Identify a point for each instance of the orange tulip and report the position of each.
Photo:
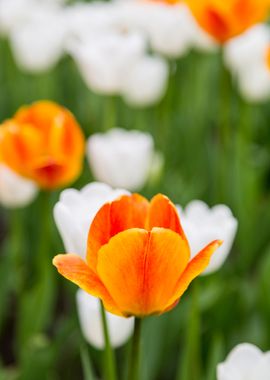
(43, 142)
(138, 258)
(224, 19)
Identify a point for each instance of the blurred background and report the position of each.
(148, 67)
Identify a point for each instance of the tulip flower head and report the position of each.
(121, 158)
(226, 19)
(43, 142)
(202, 224)
(138, 257)
(248, 57)
(245, 362)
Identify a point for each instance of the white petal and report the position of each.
(240, 363)
(121, 158)
(254, 82)
(146, 81)
(262, 371)
(245, 50)
(105, 57)
(120, 329)
(75, 211)
(38, 43)
(203, 225)
(15, 191)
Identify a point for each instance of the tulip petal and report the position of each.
(195, 267)
(129, 211)
(163, 213)
(141, 269)
(73, 268)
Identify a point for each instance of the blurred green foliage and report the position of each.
(217, 149)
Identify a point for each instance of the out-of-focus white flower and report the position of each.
(146, 81)
(84, 19)
(38, 43)
(171, 29)
(254, 84)
(120, 329)
(75, 211)
(104, 59)
(203, 224)
(200, 40)
(245, 362)
(15, 191)
(242, 51)
(166, 26)
(121, 158)
(248, 57)
(11, 13)
(14, 12)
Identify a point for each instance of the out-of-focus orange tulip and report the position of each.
(138, 258)
(43, 142)
(224, 19)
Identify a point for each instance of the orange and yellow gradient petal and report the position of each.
(43, 142)
(139, 265)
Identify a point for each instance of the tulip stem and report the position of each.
(17, 247)
(110, 113)
(109, 358)
(135, 360)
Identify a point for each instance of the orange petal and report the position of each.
(195, 267)
(163, 213)
(140, 269)
(39, 114)
(129, 211)
(77, 271)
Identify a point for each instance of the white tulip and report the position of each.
(105, 57)
(248, 57)
(166, 26)
(120, 329)
(203, 224)
(254, 82)
(242, 51)
(15, 191)
(15, 12)
(12, 12)
(38, 43)
(146, 81)
(121, 158)
(245, 362)
(75, 211)
(84, 19)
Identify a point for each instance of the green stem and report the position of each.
(17, 250)
(110, 114)
(86, 363)
(135, 362)
(224, 169)
(45, 235)
(110, 365)
(189, 367)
